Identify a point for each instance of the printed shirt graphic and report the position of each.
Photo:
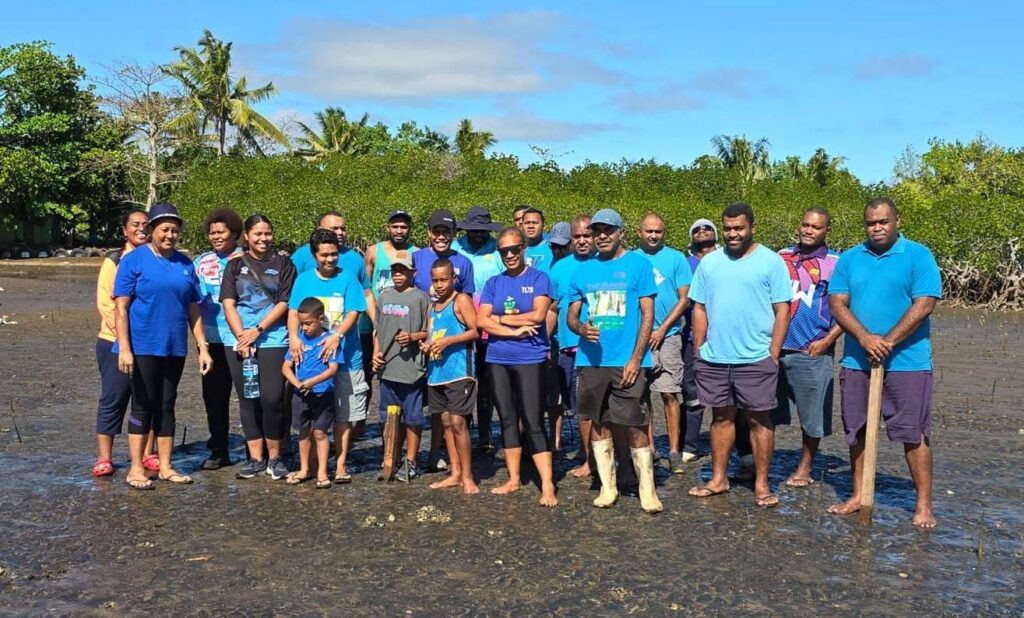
(611, 291)
(810, 318)
(256, 286)
(738, 296)
(339, 294)
(509, 295)
(407, 312)
(671, 272)
(881, 289)
(312, 365)
(561, 277)
(210, 268)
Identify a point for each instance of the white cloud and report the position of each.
(523, 126)
(900, 65)
(424, 60)
(691, 94)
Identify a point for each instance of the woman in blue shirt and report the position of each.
(255, 294)
(156, 302)
(223, 228)
(513, 310)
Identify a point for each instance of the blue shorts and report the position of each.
(409, 397)
(312, 411)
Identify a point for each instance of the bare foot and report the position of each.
(547, 496)
(767, 501)
(845, 508)
(469, 487)
(923, 518)
(510, 486)
(448, 481)
(581, 471)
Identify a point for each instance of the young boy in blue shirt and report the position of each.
(313, 398)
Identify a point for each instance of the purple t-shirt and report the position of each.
(509, 295)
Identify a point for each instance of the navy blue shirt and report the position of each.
(424, 258)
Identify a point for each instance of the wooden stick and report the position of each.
(390, 439)
(867, 482)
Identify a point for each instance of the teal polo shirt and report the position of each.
(881, 289)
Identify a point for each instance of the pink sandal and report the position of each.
(151, 462)
(103, 467)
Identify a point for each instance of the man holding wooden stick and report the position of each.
(882, 294)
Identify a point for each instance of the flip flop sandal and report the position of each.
(323, 483)
(139, 484)
(293, 478)
(343, 479)
(769, 501)
(707, 492)
(180, 479)
(103, 467)
(795, 482)
(151, 462)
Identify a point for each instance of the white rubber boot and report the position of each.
(644, 464)
(604, 457)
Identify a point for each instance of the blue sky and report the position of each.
(600, 80)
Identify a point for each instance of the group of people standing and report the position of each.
(527, 320)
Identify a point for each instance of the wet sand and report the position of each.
(76, 545)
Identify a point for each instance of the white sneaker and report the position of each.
(688, 457)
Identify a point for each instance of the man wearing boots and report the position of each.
(612, 310)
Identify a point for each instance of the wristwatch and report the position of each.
(259, 329)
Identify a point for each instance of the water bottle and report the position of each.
(250, 378)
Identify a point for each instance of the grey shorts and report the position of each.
(666, 376)
(807, 382)
(600, 398)
(906, 404)
(351, 396)
(748, 386)
(690, 398)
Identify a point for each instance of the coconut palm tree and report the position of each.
(215, 97)
(739, 153)
(822, 167)
(470, 142)
(336, 134)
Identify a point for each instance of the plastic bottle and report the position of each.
(250, 378)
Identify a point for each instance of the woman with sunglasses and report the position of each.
(513, 311)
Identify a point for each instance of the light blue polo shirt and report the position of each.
(738, 294)
(671, 272)
(881, 289)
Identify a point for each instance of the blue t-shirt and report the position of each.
(671, 272)
(881, 289)
(737, 295)
(687, 331)
(486, 262)
(539, 256)
(312, 365)
(256, 287)
(210, 267)
(349, 261)
(424, 259)
(611, 291)
(161, 290)
(340, 295)
(561, 276)
(509, 295)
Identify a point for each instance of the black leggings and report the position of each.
(217, 399)
(264, 417)
(154, 391)
(518, 392)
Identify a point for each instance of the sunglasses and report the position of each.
(513, 250)
(703, 228)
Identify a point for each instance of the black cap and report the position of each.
(163, 210)
(399, 214)
(478, 219)
(442, 216)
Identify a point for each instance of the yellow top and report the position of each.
(105, 295)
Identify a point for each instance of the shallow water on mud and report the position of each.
(73, 545)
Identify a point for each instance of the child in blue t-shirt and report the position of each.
(313, 398)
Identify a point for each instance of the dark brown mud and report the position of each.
(74, 545)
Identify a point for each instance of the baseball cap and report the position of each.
(395, 214)
(561, 234)
(403, 258)
(606, 216)
(478, 219)
(163, 210)
(442, 216)
(704, 223)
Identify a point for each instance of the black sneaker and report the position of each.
(407, 472)
(216, 462)
(251, 469)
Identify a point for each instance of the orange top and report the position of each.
(105, 295)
